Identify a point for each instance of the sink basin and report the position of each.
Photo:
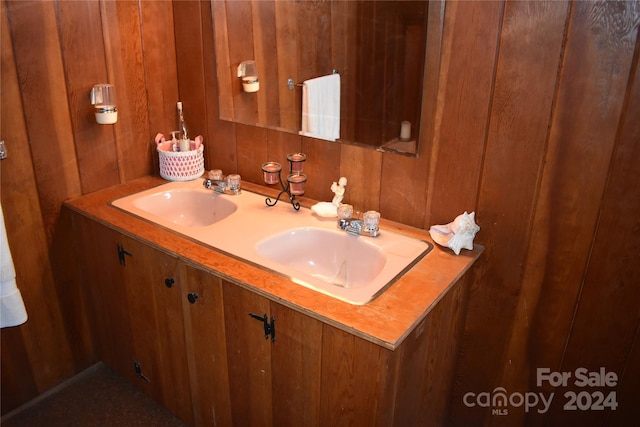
(352, 268)
(337, 258)
(184, 208)
(307, 249)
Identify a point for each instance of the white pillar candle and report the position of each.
(405, 130)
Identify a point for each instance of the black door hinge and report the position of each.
(269, 327)
(121, 255)
(138, 370)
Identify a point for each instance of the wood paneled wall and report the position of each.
(52, 54)
(532, 122)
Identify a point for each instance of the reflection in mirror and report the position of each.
(378, 47)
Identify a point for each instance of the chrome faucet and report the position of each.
(224, 185)
(361, 227)
(216, 185)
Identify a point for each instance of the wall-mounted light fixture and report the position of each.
(248, 72)
(103, 98)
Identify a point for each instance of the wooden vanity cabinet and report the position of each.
(201, 342)
(136, 297)
(314, 374)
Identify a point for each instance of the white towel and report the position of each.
(321, 107)
(12, 310)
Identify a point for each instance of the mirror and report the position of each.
(378, 47)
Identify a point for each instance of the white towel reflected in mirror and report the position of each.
(321, 107)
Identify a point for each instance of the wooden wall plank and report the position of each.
(160, 67)
(583, 132)
(220, 147)
(403, 188)
(525, 80)
(241, 48)
(123, 46)
(279, 144)
(29, 236)
(628, 389)
(16, 370)
(343, 38)
(471, 37)
(404, 193)
(223, 61)
(362, 168)
(314, 39)
(252, 155)
(39, 86)
(286, 40)
(265, 49)
(84, 64)
(322, 167)
(368, 112)
(189, 59)
(46, 111)
(609, 289)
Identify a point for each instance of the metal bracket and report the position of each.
(269, 328)
(121, 255)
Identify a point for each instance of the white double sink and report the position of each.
(307, 249)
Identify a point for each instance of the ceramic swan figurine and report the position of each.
(458, 234)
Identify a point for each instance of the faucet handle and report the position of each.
(345, 211)
(371, 221)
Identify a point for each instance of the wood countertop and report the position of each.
(385, 321)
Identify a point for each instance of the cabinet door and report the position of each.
(272, 383)
(104, 283)
(204, 330)
(154, 292)
(295, 368)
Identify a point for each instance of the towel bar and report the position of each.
(291, 83)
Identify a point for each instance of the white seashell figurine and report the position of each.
(456, 235)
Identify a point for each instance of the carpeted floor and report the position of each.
(97, 397)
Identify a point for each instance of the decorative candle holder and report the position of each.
(296, 162)
(271, 172)
(296, 180)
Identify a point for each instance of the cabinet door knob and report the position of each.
(192, 297)
(169, 282)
